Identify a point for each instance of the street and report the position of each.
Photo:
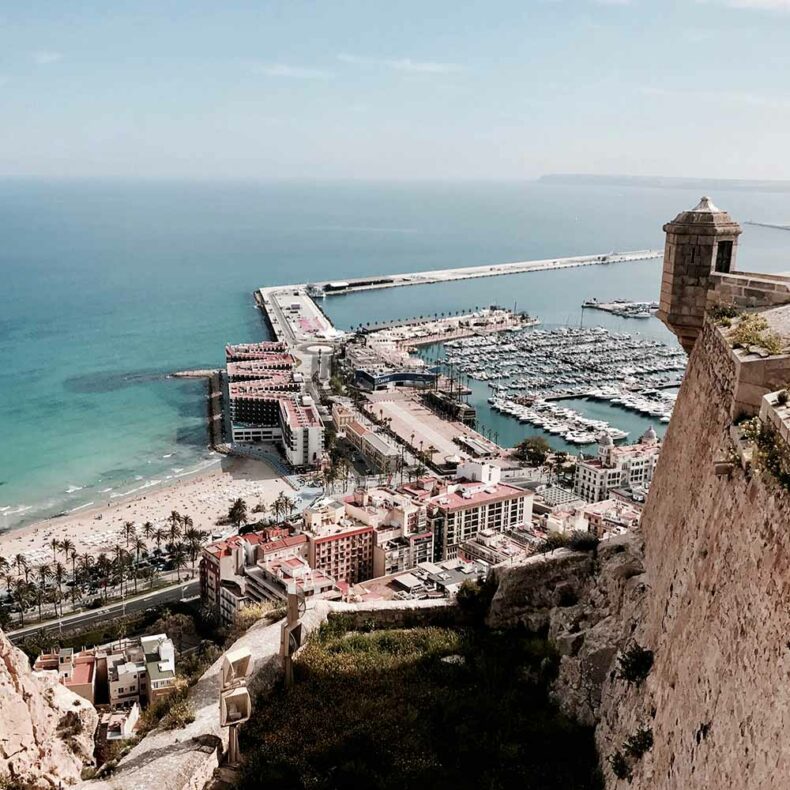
(178, 592)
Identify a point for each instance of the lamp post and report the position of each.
(234, 700)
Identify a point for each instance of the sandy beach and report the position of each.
(205, 498)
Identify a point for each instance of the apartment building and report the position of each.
(136, 670)
(628, 466)
(458, 511)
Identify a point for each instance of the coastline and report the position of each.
(205, 495)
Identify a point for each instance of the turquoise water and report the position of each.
(107, 286)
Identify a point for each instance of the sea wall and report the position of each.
(717, 557)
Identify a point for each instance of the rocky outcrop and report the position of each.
(46, 731)
(589, 607)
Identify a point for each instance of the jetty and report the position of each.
(334, 287)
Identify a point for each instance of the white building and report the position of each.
(629, 466)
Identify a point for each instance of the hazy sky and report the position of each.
(394, 88)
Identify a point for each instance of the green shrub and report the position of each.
(583, 541)
(635, 664)
(723, 312)
(554, 540)
(771, 453)
(179, 715)
(752, 330)
(639, 743)
(474, 597)
(619, 765)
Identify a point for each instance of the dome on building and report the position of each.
(649, 436)
(605, 440)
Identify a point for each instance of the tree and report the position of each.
(104, 566)
(44, 572)
(21, 565)
(119, 555)
(159, 536)
(129, 531)
(58, 574)
(55, 545)
(179, 558)
(148, 530)
(23, 595)
(237, 515)
(139, 547)
(174, 531)
(533, 450)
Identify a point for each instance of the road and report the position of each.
(178, 592)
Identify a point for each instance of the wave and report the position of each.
(81, 507)
(73, 489)
(168, 455)
(106, 490)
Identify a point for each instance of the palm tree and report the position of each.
(8, 578)
(129, 531)
(21, 565)
(159, 536)
(179, 558)
(73, 557)
(118, 562)
(86, 562)
(44, 572)
(238, 512)
(66, 546)
(55, 545)
(58, 574)
(194, 540)
(23, 596)
(138, 546)
(148, 530)
(104, 566)
(174, 532)
(5, 566)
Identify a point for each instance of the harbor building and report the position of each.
(380, 452)
(629, 466)
(246, 351)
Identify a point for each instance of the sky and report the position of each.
(412, 89)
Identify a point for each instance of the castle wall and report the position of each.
(718, 562)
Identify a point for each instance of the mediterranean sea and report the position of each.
(108, 286)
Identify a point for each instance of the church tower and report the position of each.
(699, 243)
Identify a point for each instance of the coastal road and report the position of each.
(178, 592)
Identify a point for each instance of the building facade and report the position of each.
(629, 466)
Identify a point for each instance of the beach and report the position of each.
(205, 498)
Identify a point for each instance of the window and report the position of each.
(723, 256)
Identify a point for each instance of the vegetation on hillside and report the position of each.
(424, 707)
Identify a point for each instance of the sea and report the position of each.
(108, 286)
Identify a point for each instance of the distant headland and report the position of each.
(666, 182)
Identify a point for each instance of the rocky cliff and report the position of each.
(46, 731)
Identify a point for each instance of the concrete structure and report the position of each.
(133, 670)
(699, 243)
(76, 671)
(628, 465)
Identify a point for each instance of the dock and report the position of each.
(334, 287)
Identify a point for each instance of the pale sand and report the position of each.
(205, 498)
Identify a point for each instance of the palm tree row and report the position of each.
(34, 586)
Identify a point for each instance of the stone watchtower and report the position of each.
(699, 242)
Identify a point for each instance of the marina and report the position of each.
(548, 378)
